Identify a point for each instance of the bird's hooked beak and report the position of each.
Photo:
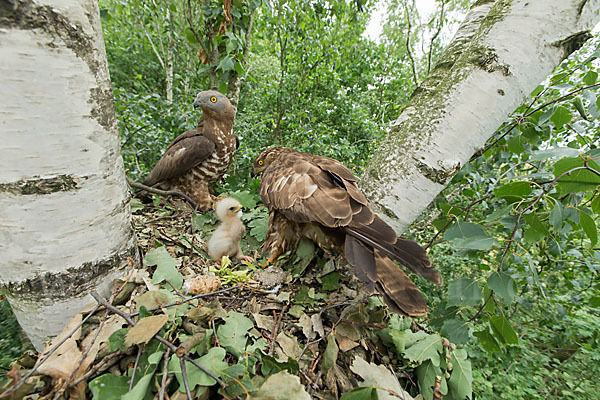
(197, 103)
(252, 174)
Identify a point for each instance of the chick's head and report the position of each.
(228, 208)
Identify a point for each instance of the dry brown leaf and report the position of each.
(264, 321)
(306, 324)
(317, 324)
(289, 345)
(151, 299)
(145, 329)
(345, 343)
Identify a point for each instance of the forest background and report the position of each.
(517, 247)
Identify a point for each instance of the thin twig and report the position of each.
(518, 120)
(135, 365)
(276, 325)
(160, 339)
(164, 193)
(163, 385)
(180, 302)
(86, 352)
(185, 379)
(437, 33)
(408, 50)
(102, 366)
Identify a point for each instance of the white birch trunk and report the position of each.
(65, 224)
(501, 52)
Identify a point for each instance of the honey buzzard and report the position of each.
(316, 197)
(198, 158)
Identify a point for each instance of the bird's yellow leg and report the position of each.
(267, 263)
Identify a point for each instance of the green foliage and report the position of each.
(530, 200)
(519, 220)
(10, 343)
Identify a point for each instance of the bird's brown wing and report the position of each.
(398, 291)
(187, 150)
(299, 188)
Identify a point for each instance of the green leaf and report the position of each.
(139, 390)
(426, 373)
(270, 365)
(199, 221)
(428, 348)
(561, 116)
(590, 78)
(468, 235)
(515, 144)
(212, 361)
(226, 64)
(595, 204)
(455, 330)
(306, 248)
(560, 152)
(109, 387)
(362, 393)
(534, 221)
(503, 285)
(189, 35)
(135, 205)
(513, 191)
(503, 330)
(487, 341)
(461, 380)
(259, 227)
(588, 225)
(165, 267)
(579, 180)
(331, 281)
(116, 341)
(330, 355)
(247, 200)
(579, 107)
(233, 334)
(557, 215)
(464, 292)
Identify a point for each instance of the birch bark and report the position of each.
(65, 223)
(500, 53)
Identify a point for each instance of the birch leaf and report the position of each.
(374, 375)
(461, 380)
(145, 329)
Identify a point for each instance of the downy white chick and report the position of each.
(225, 240)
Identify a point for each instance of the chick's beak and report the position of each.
(237, 209)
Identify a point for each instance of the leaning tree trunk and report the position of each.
(500, 53)
(65, 226)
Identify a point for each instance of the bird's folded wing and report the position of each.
(188, 150)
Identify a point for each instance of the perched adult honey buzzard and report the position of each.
(198, 158)
(316, 197)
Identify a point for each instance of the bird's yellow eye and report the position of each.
(213, 99)
(260, 162)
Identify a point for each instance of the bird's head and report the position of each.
(267, 156)
(215, 104)
(228, 208)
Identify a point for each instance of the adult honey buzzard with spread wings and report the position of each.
(316, 197)
(198, 158)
